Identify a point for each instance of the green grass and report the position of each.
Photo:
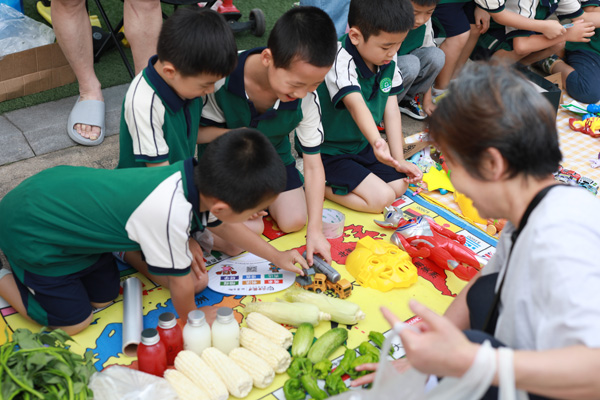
(111, 71)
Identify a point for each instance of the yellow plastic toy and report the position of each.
(437, 179)
(466, 206)
(380, 265)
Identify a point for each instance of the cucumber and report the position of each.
(327, 344)
(303, 339)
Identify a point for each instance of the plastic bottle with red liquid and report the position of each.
(171, 335)
(151, 353)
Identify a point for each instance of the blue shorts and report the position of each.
(65, 300)
(583, 84)
(294, 179)
(452, 19)
(345, 172)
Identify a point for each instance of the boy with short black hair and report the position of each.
(359, 92)
(161, 111)
(273, 90)
(420, 61)
(59, 227)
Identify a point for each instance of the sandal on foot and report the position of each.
(88, 112)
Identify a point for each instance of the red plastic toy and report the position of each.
(421, 237)
(589, 126)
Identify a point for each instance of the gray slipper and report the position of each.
(88, 112)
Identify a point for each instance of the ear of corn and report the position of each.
(261, 372)
(238, 382)
(185, 388)
(275, 332)
(289, 313)
(342, 311)
(275, 356)
(198, 371)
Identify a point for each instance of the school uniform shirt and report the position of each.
(229, 107)
(417, 38)
(350, 74)
(594, 44)
(61, 220)
(550, 296)
(532, 9)
(156, 124)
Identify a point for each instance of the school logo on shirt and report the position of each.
(386, 85)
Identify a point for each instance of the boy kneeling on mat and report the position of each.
(60, 226)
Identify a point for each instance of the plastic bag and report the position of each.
(19, 32)
(129, 384)
(411, 385)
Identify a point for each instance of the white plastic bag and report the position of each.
(19, 32)
(129, 384)
(411, 385)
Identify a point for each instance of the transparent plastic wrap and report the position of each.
(19, 32)
(129, 384)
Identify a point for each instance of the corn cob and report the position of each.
(272, 330)
(238, 382)
(289, 313)
(275, 356)
(185, 388)
(342, 311)
(261, 372)
(198, 371)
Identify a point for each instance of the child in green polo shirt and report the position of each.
(161, 110)
(273, 90)
(419, 61)
(362, 171)
(60, 226)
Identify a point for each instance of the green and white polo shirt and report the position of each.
(156, 124)
(417, 38)
(61, 220)
(229, 107)
(350, 74)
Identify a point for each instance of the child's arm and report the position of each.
(207, 134)
(580, 32)
(551, 29)
(241, 236)
(592, 16)
(363, 118)
(315, 192)
(428, 105)
(393, 130)
(183, 287)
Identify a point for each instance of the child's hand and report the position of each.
(482, 20)
(288, 259)
(382, 153)
(581, 31)
(316, 243)
(413, 172)
(552, 29)
(401, 365)
(428, 105)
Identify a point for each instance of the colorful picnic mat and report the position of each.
(104, 336)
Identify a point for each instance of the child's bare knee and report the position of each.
(201, 283)
(382, 199)
(292, 223)
(74, 329)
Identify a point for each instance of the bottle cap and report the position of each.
(150, 336)
(167, 320)
(224, 314)
(196, 318)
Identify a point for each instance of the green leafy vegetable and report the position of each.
(40, 366)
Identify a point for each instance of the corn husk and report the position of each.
(289, 313)
(341, 311)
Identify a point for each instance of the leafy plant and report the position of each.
(41, 366)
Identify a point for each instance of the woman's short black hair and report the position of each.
(493, 105)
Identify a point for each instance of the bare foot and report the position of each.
(90, 132)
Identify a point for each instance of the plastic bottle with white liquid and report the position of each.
(225, 331)
(196, 332)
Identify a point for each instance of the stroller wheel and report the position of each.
(259, 23)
